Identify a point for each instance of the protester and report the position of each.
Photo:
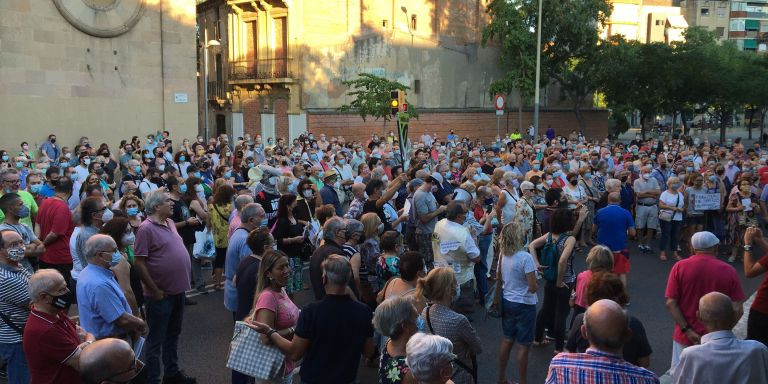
(613, 224)
(109, 361)
(606, 328)
(251, 217)
(396, 319)
(14, 303)
(721, 356)
(430, 358)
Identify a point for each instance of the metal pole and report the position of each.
(205, 82)
(498, 121)
(538, 76)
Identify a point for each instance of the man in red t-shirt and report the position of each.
(692, 278)
(52, 342)
(758, 313)
(56, 227)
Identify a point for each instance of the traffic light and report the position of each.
(394, 102)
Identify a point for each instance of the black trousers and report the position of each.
(553, 313)
(757, 326)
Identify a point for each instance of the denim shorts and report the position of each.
(518, 322)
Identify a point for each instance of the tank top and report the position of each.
(508, 210)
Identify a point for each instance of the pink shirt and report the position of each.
(694, 277)
(234, 224)
(582, 280)
(286, 312)
(166, 256)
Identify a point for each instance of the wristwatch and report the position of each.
(747, 247)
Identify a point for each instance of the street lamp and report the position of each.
(538, 76)
(407, 22)
(210, 43)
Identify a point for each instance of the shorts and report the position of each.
(647, 217)
(621, 262)
(221, 257)
(518, 321)
(694, 220)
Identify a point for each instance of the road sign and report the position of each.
(499, 102)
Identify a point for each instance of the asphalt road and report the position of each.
(208, 328)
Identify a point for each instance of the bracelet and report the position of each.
(270, 332)
(747, 247)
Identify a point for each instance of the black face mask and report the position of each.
(575, 181)
(53, 141)
(720, 172)
(62, 301)
(624, 179)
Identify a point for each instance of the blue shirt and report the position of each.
(46, 191)
(612, 223)
(330, 197)
(100, 301)
(237, 250)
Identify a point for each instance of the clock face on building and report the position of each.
(102, 18)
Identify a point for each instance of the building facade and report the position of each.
(284, 62)
(646, 21)
(713, 15)
(748, 26)
(105, 69)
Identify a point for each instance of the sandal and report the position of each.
(542, 343)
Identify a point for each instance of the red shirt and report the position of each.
(54, 216)
(763, 172)
(694, 277)
(49, 341)
(761, 299)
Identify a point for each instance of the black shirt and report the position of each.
(284, 230)
(337, 328)
(370, 206)
(316, 266)
(269, 202)
(181, 213)
(246, 277)
(634, 349)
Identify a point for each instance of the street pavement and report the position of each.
(207, 328)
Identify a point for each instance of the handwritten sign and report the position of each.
(706, 201)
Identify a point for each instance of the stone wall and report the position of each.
(56, 79)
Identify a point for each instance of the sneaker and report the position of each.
(179, 378)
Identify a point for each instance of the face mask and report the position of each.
(199, 188)
(674, 186)
(264, 222)
(182, 158)
(380, 228)
(183, 188)
(5, 158)
(107, 216)
(62, 301)
(574, 182)
(116, 256)
(23, 211)
(227, 174)
(74, 176)
(87, 161)
(35, 188)
(646, 176)
(161, 167)
(455, 165)
(342, 161)
(689, 169)
(307, 193)
(588, 175)
(19, 164)
(16, 254)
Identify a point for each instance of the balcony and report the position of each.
(261, 71)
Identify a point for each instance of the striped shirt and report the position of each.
(595, 367)
(14, 301)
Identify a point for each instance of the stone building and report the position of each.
(276, 67)
(105, 69)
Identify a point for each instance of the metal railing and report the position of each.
(262, 69)
(215, 90)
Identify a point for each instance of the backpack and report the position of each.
(549, 257)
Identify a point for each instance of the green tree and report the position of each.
(372, 97)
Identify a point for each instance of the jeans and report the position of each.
(13, 354)
(670, 235)
(481, 267)
(164, 318)
(553, 313)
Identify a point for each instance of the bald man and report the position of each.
(612, 224)
(356, 206)
(606, 328)
(721, 357)
(108, 361)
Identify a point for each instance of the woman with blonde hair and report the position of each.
(370, 250)
(599, 259)
(440, 288)
(516, 287)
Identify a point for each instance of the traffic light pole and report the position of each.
(538, 77)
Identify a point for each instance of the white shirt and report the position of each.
(82, 172)
(76, 266)
(146, 187)
(513, 271)
(671, 200)
(723, 358)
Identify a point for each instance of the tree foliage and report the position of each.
(372, 96)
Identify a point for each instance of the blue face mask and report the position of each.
(137, 169)
(264, 222)
(196, 174)
(115, 259)
(182, 158)
(23, 211)
(420, 324)
(251, 165)
(183, 188)
(227, 174)
(455, 165)
(536, 167)
(447, 175)
(5, 158)
(132, 211)
(35, 188)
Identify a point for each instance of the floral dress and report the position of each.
(524, 217)
(387, 267)
(392, 370)
(739, 221)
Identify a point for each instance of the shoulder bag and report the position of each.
(250, 356)
(666, 214)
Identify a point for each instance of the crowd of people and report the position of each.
(401, 250)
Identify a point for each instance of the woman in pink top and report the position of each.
(273, 306)
(599, 259)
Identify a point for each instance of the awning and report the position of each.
(750, 44)
(676, 21)
(752, 25)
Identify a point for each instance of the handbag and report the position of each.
(203, 248)
(667, 215)
(249, 356)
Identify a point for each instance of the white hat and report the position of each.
(438, 177)
(704, 240)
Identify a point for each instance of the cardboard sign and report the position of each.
(706, 201)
